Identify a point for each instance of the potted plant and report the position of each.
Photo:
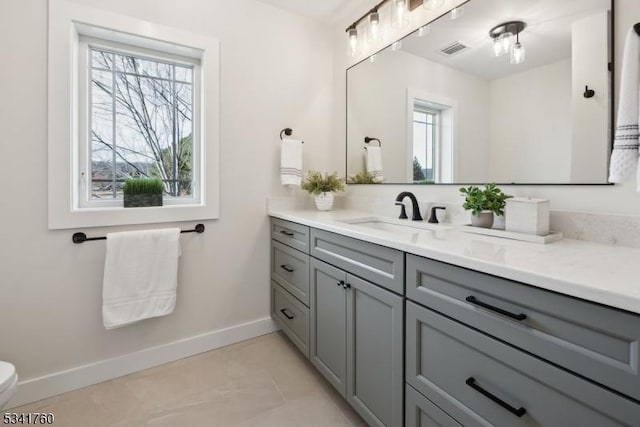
(322, 187)
(484, 203)
(142, 192)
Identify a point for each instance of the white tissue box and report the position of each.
(529, 216)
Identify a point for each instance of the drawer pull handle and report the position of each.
(347, 285)
(285, 267)
(519, 317)
(341, 283)
(287, 233)
(287, 315)
(471, 382)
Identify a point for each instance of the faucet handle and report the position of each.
(433, 218)
(403, 211)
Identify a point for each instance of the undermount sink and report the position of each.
(395, 226)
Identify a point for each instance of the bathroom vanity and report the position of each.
(435, 327)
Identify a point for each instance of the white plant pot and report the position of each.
(324, 201)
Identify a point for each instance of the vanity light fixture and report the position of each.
(503, 36)
(353, 41)
(433, 4)
(400, 18)
(374, 26)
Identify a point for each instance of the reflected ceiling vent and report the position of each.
(453, 49)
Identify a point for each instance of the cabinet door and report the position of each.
(374, 353)
(328, 323)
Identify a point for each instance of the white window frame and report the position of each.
(69, 24)
(84, 152)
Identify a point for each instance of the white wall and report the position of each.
(378, 99)
(590, 142)
(276, 72)
(530, 122)
(619, 199)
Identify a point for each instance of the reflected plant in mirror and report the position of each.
(460, 103)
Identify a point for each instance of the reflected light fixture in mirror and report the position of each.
(423, 31)
(517, 52)
(396, 46)
(457, 12)
(503, 40)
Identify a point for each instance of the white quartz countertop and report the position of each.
(605, 274)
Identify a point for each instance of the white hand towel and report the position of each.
(374, 163)
(291, 162)
(626, 147)
(140, 276)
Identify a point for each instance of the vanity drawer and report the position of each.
(378, 264)
(485, 382)
(290, 268)
(421, 412)
(292, 316)
(597, 342)
(291, 234)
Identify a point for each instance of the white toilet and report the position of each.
(8, 383)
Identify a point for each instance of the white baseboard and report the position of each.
(72, 379)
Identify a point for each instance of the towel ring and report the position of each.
(368, 139)
(287, 132)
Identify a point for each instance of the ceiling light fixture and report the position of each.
(503, 36)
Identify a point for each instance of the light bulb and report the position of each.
(353, 42)
(517, 54)
(400, 17)
(498, 49)
(457, 12)
(433, 4)
(396, 46)
(374, 27)
(506, 39)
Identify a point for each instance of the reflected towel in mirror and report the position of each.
(626, 146)
(374, 163)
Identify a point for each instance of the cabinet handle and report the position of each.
(287, 268)
(287, 233)
(347, 285)
(341, 283)
(287, 315)
(519, 317)
(471, 382)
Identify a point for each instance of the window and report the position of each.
(141, 113)
(425, 137)
(129, 98)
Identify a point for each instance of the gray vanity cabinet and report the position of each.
(356, 342)
(329, 323)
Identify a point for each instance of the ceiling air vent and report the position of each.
(453, 48)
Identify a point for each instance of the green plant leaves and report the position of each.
(133, 186)
(490, 199)
(317, 183)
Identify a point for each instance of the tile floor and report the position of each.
(260, 382)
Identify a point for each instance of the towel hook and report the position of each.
(589, 93)
(287, 132)
(368, 139)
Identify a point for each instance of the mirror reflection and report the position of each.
(512, 91)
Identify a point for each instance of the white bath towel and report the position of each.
(374, 163)
(291, 162)
(140, 276)
(626, 147)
